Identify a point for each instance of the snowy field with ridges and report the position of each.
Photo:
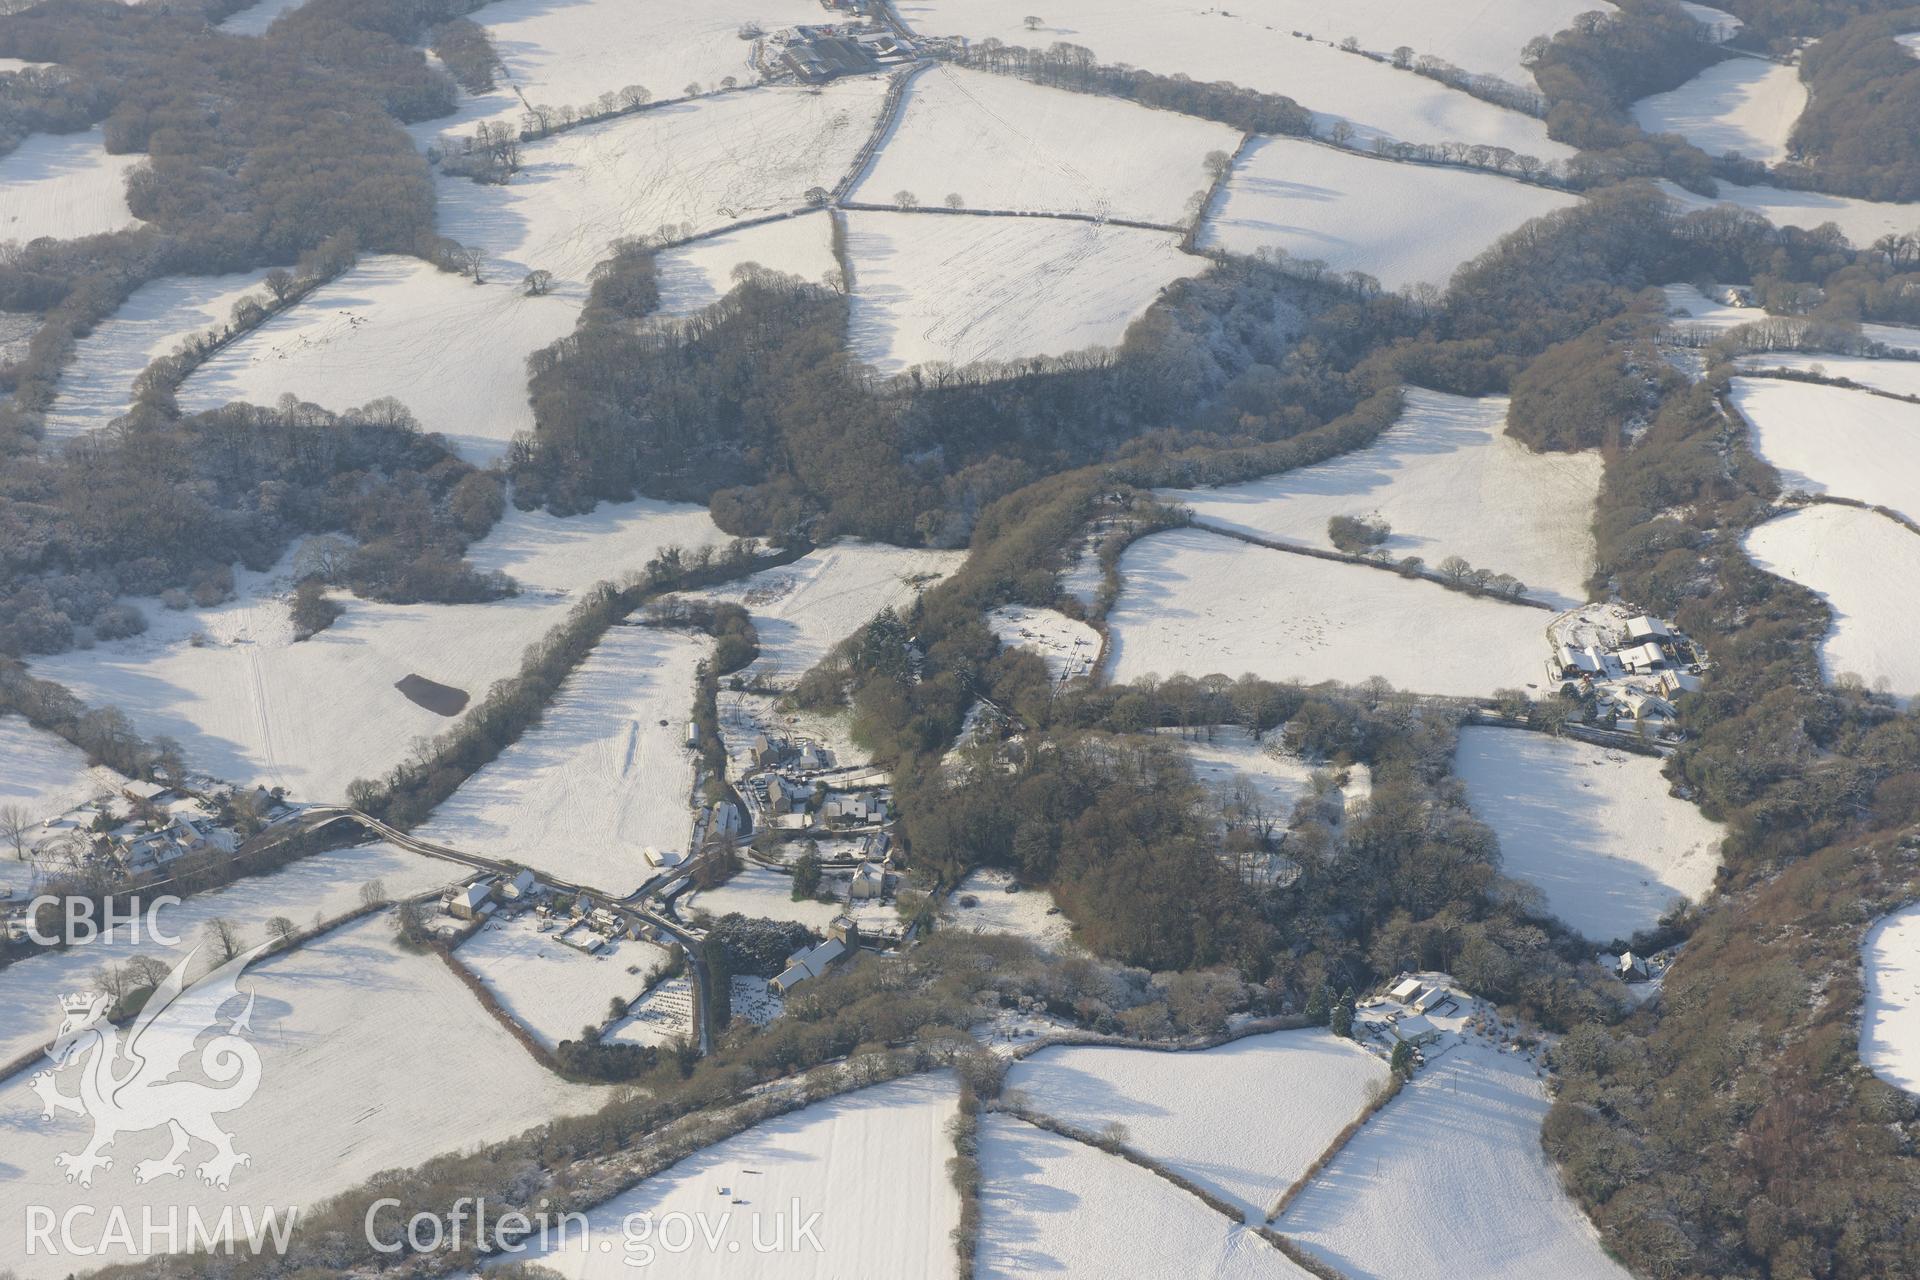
(96, 386)
(1861, 221)
(1899, 377)
(566, 53)
(1593, 828)
(870, 1164)
(1849, 557)
(64, 185)
(699, 274)
(567, 554)
(803, 609)
(249, 704)
(1449, 1180)
(1198, 603)
(603, 776)
(1890, 1020)
(452, 351)
(957, 289)
(344, 1027)
(45, 775)
(1053, 1206)
(690, 167)
(1449, 481)
(1748, 105)
(1256, 49)
(1399, 223)
(551, 988)
(1831, 440)
(1243, 1120)
(1003, 143)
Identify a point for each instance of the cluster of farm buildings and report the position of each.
(1631, 663)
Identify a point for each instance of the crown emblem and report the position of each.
(77, 1002)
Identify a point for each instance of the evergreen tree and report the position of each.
(1340, 1018)
(1402, 1063)
(1317, 1006)
(806, 875)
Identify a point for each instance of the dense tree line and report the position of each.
(1863, 112)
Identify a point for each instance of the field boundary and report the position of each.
(1097, 219)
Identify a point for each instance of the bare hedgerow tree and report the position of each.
(954, 200)
(373, 893)
(635, 96)
(282, 931)
(538, 283)
(905, 199)
(14, 825)
(224, 936)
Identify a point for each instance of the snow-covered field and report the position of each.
(1449, 481)
(1230, 754)
(256, 18)
(1199, 603)
(871, 1165)
(603, 776)
(1890, 1022)
(1003, 143)
(550, 987)
(762, 894)
(803, 609)
(345, 1029)
(700, 273)
(566, 554)
(1255, 48)
(1053, 1206)
(1850, 557)
(1068, 646)
(959, 289)
(1900, 377)
(1593, 828)
(1721, 26)
(690, 167)
(1023, 914)
(1748, 105)
(568, 54)
(97, 385)
(321, 887)
(64, 185)
(1399, 223)
(1448, 1181)
(1243, 1120)
(44, 774)
(249, 704)
(1861, 221)
(1831, 440)
(452, 351)
(664, 1013)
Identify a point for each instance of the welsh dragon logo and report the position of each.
(127, 1086)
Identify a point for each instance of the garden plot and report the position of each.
(1243, 1120)
(1029, 913)
(1068, 646)
(1458, 1153)
(452, 351)
(1002, 143)
(1257, 50)
(1829, 440)
(1898, 377)
(699, 274)
(1890, 1021)
(1748, 105)
(1861, 221)
(1402, 224)
(604, 776)
(567, 54)
(65, 186)
(371, 1058)
(662, 1014)
(1594, 829)
(249, 704)
(803, 609)
(567, 554)
(679, 169)
(1849, 557)
(308, 891)
(871, 1165)
(951, 289)
(1449, 481)
(1053, 1206)
(97, 384)
(761, 893)
(45, 775)
(550, 987)
(1198, 603)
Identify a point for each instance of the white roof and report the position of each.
(1406, 990)
(1646, 625)
(145, 790)
(1413, 1026)
(475, 894)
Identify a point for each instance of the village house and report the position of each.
(810, 962)
(473, 901)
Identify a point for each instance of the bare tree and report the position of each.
(1219, 164)
(538, 283)
(146, 972)
(1033, 22)
(473, 262)
(905, 199)
(280, 283)
(635, 96)
(373, 893)
(282, 931)
(224, 935)
(1455, 570)
(14, 825)
(954, 200)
